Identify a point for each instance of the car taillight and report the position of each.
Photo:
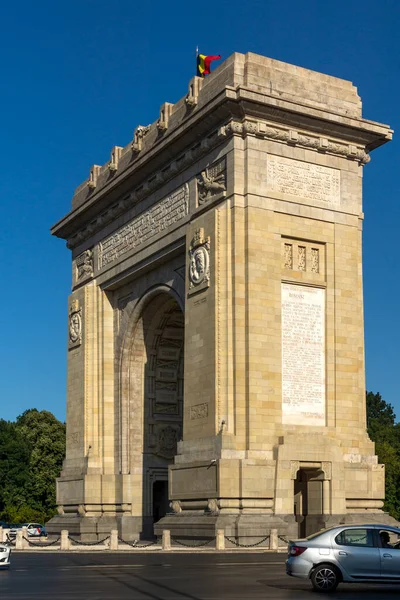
(297, 550)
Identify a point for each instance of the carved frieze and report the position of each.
(75, 325)
(145, 226)
(84, 266)
(293, 137)
(211, 183)
(199, 262)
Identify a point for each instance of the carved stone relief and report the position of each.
(75, 325)
(199, 261)
(199, 411)
(301, 260)
(211, 183)
(314, 260)
(145, 226)
(288, 256)
(327, 469)
(307, 257)
(167, 441)
(84, 265)
(176, 506)
(212, 506)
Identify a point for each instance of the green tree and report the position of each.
(45, 436)
(383, 430)
(14, 469)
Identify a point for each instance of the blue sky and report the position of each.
(78, 77)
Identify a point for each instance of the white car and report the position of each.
(5, 554)
(33, 530)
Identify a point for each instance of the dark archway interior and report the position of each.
(163, 322)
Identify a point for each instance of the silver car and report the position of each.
(352, 554)
(5, 553)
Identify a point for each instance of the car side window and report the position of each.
(355, 537)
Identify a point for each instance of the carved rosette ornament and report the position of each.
(75, 325)
(199, 262)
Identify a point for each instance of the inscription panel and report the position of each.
(303, 180)
(303, 355)
(145, 226)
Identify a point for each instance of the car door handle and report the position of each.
(342, 553)
(387, 555)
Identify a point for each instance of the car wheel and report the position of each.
(325, 578)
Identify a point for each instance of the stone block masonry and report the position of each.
(216, 337)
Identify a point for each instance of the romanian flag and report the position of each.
(203, 64)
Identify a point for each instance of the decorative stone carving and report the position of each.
(139, 134)
(84, 265)
(92, 181)
(288, 257)
(291, 136)
(301, 259)
(75, 325)
(211, 182)
(167, 442)
(314, 260)
(199, 411)
(145, 226)
(115, 156)
(176, 506)
(199, 261)
(327, 469)
(73, 437)
(212, 506)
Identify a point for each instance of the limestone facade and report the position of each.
(216, 339)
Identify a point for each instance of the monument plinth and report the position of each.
(216, 342)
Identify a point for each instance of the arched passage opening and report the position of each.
(153, 416)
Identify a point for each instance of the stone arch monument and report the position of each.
(216, 345)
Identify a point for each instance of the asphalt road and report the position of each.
(156, 576)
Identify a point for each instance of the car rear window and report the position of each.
(355, 537)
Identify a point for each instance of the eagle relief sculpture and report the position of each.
(211, 182)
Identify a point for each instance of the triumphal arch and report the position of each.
(215, 341)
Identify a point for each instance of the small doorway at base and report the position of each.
(308, 500)
(160, 500)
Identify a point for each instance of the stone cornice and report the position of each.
(244, 128)
(296, 138)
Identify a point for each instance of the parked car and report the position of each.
(350, 554)
(33, 530)
(5, 554)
